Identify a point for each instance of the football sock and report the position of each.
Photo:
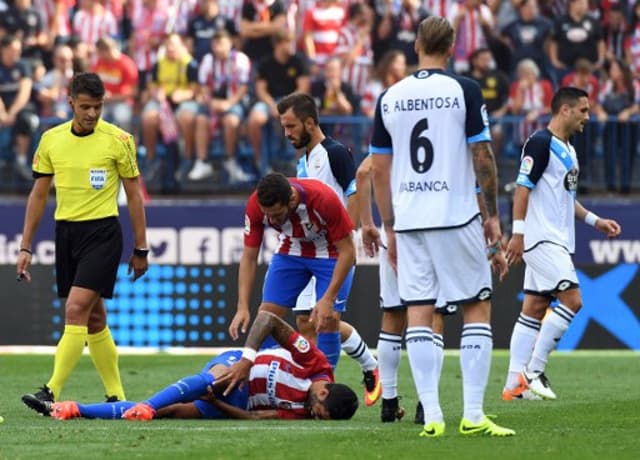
(67, 355)
(389, 353)
(419, 340)
(551, 332)
(184, 390)
(329, 344)
(523, 338)
(476, 345)
(106, 411)
(438, 343)
(104, 355)
(355, 347)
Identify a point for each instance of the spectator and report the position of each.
(576, 35)
(391, 69)
(25, 22)
(149, 21)
(438, 7)
(80, 54)
(120, 76)
(261, 20)
(333, 95)
(495, 90)
(224, 83)
(51, 91)
(397, 30)
(473, 21)
(203, 26)
(618, 101)
(634, 45)
(170, 92)
(617, 38)
(354, 47)
(529, 97)
(57, 23)
(584, 142)
(321, 29)
(528, 36)
(93, 21)
(16, 111)
(282, 73)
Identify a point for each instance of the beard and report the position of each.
(305, 139)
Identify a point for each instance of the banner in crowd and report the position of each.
(188, 297)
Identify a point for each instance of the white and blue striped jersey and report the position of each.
(426, 121)
(332, 163)
(549, 168)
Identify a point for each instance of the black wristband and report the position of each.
(140, 252)
(28, 251)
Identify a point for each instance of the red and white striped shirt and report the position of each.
(281, 377)
(324, 24)
(469, 35)
(357, 73)
(89, 26)
(311, 229)
(438, 7)
(149, 24)
(231, 9)
(225, 76)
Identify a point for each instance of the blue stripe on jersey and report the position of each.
(484, 136)
(561, 152)
(301, 168)
(351, 189)
(523, 179)
(380, 150)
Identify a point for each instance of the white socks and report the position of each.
(389, 353)
(523, 338)
(438, 343)
(422, 358)
(551, 332)
(355, 347)
(476, 345)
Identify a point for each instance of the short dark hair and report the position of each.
(87, 83)
(341, 401)
(566, 95)
(302, 104)
(8, 40)
(354, 10)
(274, 188)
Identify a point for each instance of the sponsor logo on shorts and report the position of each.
(526, 165)
(301, 344)
(484, 294)
(98, 178)
(564, 285)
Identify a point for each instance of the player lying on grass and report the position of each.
(292, 382)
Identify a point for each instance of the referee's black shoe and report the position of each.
(41, 401)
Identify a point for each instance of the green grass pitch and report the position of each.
(597, 416)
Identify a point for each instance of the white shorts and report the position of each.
(448, 265)
(549, 269)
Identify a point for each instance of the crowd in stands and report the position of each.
(200, 79)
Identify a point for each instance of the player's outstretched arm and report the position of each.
(609, 227)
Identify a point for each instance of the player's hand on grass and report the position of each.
(371, 241)
(240, 322)
(515, 249)
(236, 376)
(609, 227)
(322, 314)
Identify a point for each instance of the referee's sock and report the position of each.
(105, 411)
(329, 344)
(67, 355)
(186, 389)
(104, 355)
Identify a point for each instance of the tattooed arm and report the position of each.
(484, 165)
(268, 324)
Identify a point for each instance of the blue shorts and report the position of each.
(287, 277)
(237, 398)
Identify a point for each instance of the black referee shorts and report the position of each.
(87, 255)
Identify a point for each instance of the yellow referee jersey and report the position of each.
(87, 169)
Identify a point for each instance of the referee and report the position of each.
(88, 157)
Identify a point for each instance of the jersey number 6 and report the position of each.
(421, 148)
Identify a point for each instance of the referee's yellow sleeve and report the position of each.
(127, 162)
(41, 160)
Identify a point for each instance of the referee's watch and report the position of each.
(143, 252)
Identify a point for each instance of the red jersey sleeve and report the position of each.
(307, 355)
(253, 223)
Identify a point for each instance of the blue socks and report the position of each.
(106, 411)
(329, 344)
(184, 390)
